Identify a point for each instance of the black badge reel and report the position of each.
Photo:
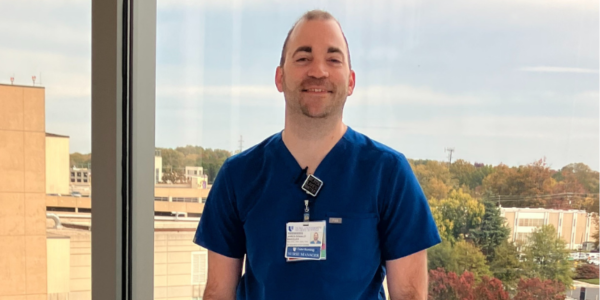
(312, 185)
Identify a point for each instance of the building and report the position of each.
(80, 181)
(57, 164)
(157, 166)
(23, 256)
(573, 226)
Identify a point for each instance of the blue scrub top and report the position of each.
(370, 186)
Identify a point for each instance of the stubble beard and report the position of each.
(295, 102)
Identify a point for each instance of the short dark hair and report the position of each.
(309, 16)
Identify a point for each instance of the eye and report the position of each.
(334, 60)
(301, 59)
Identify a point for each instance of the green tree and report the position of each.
(441, 256)
(468, 257)
(78, 160)
(461, 257)
(469, 175)
(547, 257)
(172, 160)
(506, 265)
(492, 232)
(459, 213)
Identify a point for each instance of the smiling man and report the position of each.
(316, 177)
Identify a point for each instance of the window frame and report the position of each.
(123, 110)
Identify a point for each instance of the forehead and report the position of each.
(317, 34)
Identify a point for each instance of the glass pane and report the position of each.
(45, 134)
(494, 103)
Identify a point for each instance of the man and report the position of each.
(315, 239)
(377, 219)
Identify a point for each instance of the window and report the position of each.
(199, 267)
(523, 237)
(531, 222)
(161, 199)
(185, 199)
(474, 94)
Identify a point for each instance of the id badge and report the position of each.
(305, 241)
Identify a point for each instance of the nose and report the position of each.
(318, 69)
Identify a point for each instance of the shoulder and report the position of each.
(371, 151)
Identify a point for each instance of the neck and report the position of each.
(309, 140)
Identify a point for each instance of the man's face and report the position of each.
(316, 78)
(316, 236)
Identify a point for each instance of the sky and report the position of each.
(500, 81)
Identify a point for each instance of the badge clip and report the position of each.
(306, 211)
(312, 185)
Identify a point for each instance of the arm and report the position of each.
(223, 277)
(407, 277)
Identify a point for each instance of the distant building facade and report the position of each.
(575, 227)
(23, 257)
(57, 164)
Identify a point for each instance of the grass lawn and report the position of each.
(591, 281)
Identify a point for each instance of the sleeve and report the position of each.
(406, 224)
(220, 229)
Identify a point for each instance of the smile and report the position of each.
(316, 91)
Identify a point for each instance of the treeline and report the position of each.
(575, 186)
(175, 160)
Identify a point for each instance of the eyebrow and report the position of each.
(309, 50)
(303, 49)
(334, 50)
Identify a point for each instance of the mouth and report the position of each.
(316, 91)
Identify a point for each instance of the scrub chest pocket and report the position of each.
(353, 242)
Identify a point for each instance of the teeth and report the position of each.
(316, 90)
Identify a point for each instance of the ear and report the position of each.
(351, 83)
(279, 79)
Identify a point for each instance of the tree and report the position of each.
(449, 286)
(459, 213)
(547, 257)
(506, 265)
(468, 257)
(441, 256)
(466, 174)
(492, 232)
(211, 160)
(462, 171)
(536, 289)
(434, 178)
(490, 289)
(78, 160)
(584, 175)
(532, 180)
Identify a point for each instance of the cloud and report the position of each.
(548, 69)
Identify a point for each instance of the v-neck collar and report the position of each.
(284, 153)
